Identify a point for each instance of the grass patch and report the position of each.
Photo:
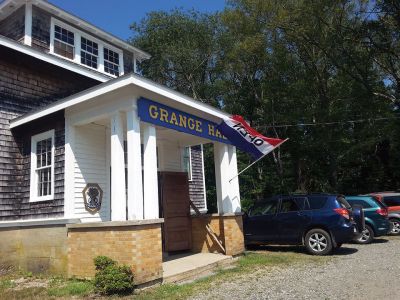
(248, 263)
(73, 287)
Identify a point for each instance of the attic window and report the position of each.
(89, 53)
(63, 42)
(111, 62)
(81, 48)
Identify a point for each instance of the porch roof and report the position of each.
(113, 85)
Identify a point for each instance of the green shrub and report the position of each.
(111, 278)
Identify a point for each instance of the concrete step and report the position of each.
(194, 266)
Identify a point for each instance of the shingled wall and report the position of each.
(25, 85)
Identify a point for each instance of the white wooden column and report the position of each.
(69, 170)
(135, 184)
(150, 177)
(118, 193)
(234, 191)
(221, 161)
(28, 24)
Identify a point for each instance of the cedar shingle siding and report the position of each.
(13, 27)
(25, 85)
(196, 185)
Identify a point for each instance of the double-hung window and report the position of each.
(111, 62)
(42, 167)
(84, 49)
(89, 53)
(64, 42)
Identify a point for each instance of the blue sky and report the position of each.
(116, 16)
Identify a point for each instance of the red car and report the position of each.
(392, 201)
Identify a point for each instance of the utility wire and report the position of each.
(329, 123)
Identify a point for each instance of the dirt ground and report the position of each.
(354, 272)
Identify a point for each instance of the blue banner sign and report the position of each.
(165, 116)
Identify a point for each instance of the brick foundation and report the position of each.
(228, 228)
(133, 243)
(34, 247)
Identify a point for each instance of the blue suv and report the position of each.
(319, 222)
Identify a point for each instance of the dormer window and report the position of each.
(64, 42)
(73, 44)
(111, 62)
(89, 53)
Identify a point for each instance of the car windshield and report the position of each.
(264, 208)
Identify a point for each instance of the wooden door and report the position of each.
(177, 229)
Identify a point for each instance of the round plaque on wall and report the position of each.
(92, 197)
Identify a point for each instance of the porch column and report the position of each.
(150, 176)
(221, 161)
(234, 190)
(135, 187)
(118, 193)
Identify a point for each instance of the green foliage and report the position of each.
(73, 287)
(319, 73)
(111, 278)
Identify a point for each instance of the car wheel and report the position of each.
(366, 236)
(318, 242)
(395, 224)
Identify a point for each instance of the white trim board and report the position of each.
(112, 85)
(52, 59)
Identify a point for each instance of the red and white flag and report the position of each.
(247, 139)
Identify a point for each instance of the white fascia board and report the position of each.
(52, 59)
(178, 97)
(114, 85)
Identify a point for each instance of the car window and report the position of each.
(301, 202)
(316, 202)
(264, 208)
(289, 205)
(392, 200)
(363, 203)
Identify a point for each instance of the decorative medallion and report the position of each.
(92, 196)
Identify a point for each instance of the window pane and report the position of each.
(392, 200)
(63, 49)
(264, 208)
(289, 205)
(89, 52)
(111, 62)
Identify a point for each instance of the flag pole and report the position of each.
(254, 162)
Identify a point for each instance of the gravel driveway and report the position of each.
(354, 272)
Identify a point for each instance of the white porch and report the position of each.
(96, 131)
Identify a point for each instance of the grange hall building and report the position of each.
(98, 160)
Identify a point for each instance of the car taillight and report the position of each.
(343, 212)
(382, 212)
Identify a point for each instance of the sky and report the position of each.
(115, 16)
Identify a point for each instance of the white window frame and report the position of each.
(190, 173)
(34, 176)
(77, 45)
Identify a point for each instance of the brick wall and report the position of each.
(27, 84)
(13, 26)
(37, 249)
(228, 228)
(138, 246)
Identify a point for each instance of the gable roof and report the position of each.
(7, 7)
(114, 84)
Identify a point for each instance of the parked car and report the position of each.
(392, 201)
(376, 218)
(320, 222)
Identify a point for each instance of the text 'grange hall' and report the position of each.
(98, 160)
